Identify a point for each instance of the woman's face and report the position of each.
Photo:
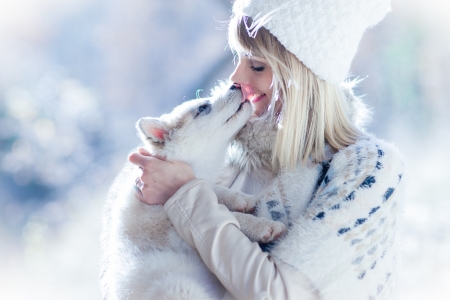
(254, 76)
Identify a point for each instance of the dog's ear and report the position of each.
(152, 129)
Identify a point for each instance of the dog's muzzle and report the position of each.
(235, 86)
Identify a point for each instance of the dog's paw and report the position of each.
(243, 203)
(235, 201)
(271, 231)
(261, 230)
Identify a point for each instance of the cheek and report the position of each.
(267, 84)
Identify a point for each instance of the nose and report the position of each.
(239, 79)
(238, 75)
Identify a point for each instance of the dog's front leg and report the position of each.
(235, 200)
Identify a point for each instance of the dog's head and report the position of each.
(197, 131)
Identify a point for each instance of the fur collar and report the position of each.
(252, 148)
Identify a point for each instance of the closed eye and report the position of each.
(257, 69)
(203, 109)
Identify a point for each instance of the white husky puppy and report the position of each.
(143, 256)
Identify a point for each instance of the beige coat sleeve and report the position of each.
(241, 266)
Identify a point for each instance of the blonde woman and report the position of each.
(341, 242)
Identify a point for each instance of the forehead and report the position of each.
(252, 57)
(182, 113)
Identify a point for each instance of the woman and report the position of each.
(341, 242)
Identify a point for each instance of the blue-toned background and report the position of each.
(75, 75)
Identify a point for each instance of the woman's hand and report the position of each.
(160, 179)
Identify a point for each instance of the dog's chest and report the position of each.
(252, 182)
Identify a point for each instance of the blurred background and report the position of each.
(75, 75)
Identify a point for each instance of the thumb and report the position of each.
(145, 152)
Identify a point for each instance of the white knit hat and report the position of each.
(323, 34)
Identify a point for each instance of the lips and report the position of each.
(248, 93)
(256, 97)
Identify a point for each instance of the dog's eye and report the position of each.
(204, 109)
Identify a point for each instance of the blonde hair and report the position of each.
(313, 111)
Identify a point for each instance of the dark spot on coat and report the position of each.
(373, 265)
(355, 241)
(361, 276)
(368, 182)
(380, 153)
(276, 215)
(357, 260)
(331, 193)
(388, 194)
(350, 196)
(373, 210)
(370, 232)
(343, 230)
(379, 165)
(337, 206)
(372, 250)
(320, 216)
(360, 221)
(271, 204)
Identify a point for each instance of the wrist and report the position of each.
(183, 189)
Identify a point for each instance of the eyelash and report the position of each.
(257, 69)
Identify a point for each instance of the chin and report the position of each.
(260, 107)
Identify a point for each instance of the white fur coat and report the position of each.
(342, 214)
(345, 240)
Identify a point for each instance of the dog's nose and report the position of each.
(235, 86)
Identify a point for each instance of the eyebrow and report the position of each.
(250, 56)
(258, 59)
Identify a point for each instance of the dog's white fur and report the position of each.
(143, 256)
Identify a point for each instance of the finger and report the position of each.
(137, 159)
(144, 151)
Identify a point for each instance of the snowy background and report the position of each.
(75, 75)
